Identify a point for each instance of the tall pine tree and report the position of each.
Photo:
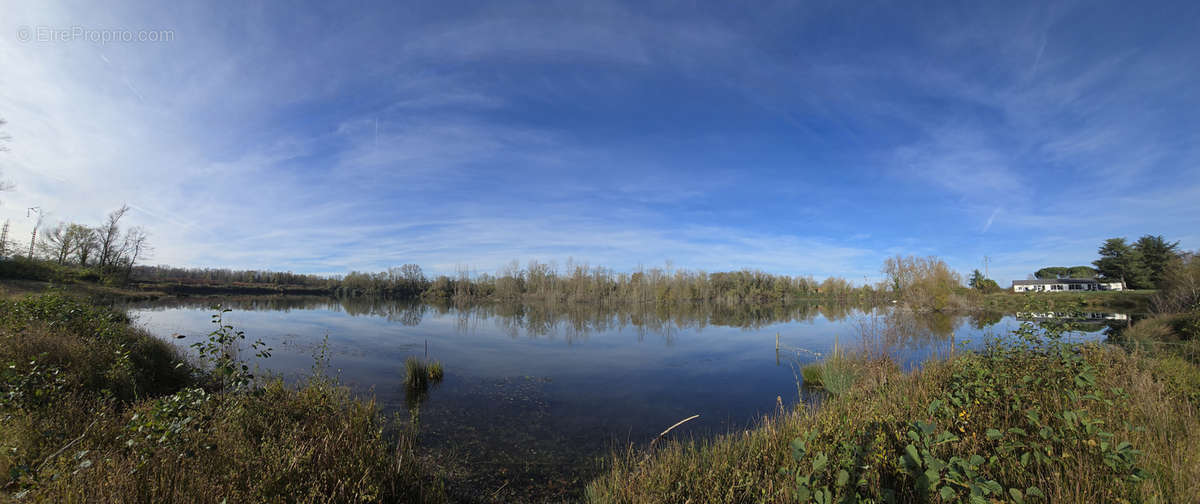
(1119, 261)
(1156, 254)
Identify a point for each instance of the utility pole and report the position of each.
(986, 274)
(36, 225)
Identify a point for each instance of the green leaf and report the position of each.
(947, 493)
(820, 461)
(1034, 491)
(994, 434)
(822, 497)
(842, 477)
(1016, 495)
(913, 457)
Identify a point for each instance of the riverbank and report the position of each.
(94, 409)
(457, 479)
(1030, 420)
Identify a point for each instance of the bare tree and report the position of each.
(109, 237)
(57, 243)
(136, 247)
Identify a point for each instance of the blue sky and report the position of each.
(795, 138)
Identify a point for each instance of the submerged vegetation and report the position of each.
(93, 409)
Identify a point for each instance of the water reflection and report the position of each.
(536, 392)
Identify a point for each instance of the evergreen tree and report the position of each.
(1119, 261)
(975, 279)
(1156, 254)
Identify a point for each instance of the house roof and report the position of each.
(1052, 281)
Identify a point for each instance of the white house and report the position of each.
(1066, 284)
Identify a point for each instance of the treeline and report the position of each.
(1055, 272)
(221, 276)
(582, 283)
(105, 250)
(539, 281)
(1142, 264)
(925, 283)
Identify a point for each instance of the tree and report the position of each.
(1119, 261)
(109, 238)
(1053, 272)
(57, 243)
(921, 282)
(135, 247)
(1157, 253)
(1180, 287)
(982, 283)
(83, 242)
(976, 279)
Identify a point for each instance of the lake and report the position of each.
(534, 397)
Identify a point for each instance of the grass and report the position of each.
(419, 376)
(420, 373)
(835, 374)
(1171, 343)
(1032, 420)
(94, 410)
(1128, 300)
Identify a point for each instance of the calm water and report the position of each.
(533, 396)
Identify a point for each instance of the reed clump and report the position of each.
(835, 374)
(421, 373)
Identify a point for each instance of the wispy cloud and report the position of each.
(799, 139)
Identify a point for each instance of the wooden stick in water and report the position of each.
(677, 424)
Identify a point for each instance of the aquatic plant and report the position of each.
(836, 373)
(419, 375)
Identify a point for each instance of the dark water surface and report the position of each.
(534, 397)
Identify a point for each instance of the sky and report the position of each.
(812, 138)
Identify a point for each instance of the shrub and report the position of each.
(1027, 419)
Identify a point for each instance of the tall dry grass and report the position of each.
(92, 410)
